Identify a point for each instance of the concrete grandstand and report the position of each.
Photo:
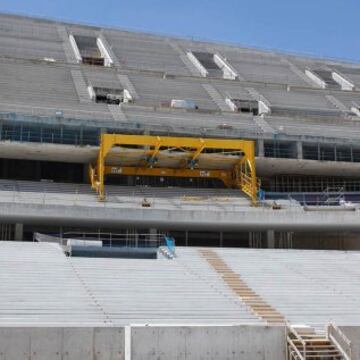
(64, 84)
(122, 144)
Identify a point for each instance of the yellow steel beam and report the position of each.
(242, 176)
(223, 175)
(176, 142)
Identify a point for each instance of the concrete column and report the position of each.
(299, 150)
(270, 235)
(153, 232)
(261, 148)
(19, 232)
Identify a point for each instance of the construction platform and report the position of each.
(231, 161)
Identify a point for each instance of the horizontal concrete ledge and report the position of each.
(197, 219)
(273, 167)
(86, 154)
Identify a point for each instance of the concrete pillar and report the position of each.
(261, 148)
(19, 232)
(270, 235)
(299, 150)
(153, 235)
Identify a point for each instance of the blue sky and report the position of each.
(326, 28)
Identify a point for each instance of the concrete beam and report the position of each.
(265, 167)
(189, 218)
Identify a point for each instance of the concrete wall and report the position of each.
(56, 343)
(353, 334)
(143, 342)
(208, 343)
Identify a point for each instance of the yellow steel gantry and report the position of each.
(241, 174)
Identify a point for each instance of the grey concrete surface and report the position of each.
(208, 343)
(353, 334)
(54, 343)
(164, 215)
(86, 154)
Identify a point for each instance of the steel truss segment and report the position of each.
(242, 175)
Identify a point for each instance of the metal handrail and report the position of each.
(291, 343)
(150, 240)
(335, 335)
(292, 331)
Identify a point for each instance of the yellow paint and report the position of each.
(242, 175)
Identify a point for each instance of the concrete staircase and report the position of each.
(303, 343)
(256, 305)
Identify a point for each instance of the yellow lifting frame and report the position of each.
(242, 175)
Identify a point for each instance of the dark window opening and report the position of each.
(308, 184)
(246, 106)
(327, 77)
(89, 50)
(93, 61)
(108, 96)
(275, 149)
(206, 60)
(31, 170)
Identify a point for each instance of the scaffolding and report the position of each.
(231, 161)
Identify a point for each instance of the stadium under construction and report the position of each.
(165, 198)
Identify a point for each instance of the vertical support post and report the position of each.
(261, 147)
(299, 150)
(270, 239)
(101, 173)
(19, 232)
(251, 161)
(105, 145)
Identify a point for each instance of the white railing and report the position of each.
(291, 336)
(127, 239)
(339, 339)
